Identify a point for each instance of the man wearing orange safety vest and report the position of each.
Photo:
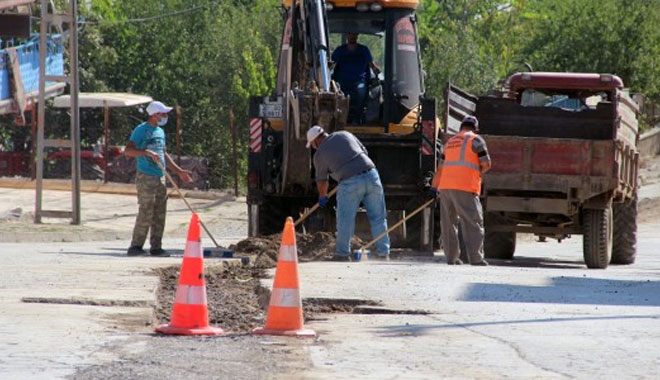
(458, 182)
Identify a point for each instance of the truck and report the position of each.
(565, 162)
(397, 125)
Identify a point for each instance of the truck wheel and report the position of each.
(624, 246)
(272, 216)
(499, 245)
(597, 239)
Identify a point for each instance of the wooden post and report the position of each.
(179, 139)
(106, 137)
(232, 124)
(33, 142)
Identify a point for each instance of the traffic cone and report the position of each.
(190, 315)
(285, 314)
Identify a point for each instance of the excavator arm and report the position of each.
(309, 97)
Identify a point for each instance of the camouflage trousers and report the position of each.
(152, 201)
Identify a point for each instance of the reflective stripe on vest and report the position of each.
(460, 170)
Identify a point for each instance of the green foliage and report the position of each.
(208, 60)
(476, 43)
(209, 56)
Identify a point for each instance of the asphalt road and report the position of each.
(541, 316)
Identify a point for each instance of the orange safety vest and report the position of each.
(461, 170)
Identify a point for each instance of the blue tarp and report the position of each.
(28, 56)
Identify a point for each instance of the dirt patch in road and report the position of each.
(234, 296)
(311, 247)
(236, 300)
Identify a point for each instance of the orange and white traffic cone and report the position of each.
(190, 315)
(285, 314)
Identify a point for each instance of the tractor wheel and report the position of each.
(597, 239)
(272, 215)
(498, 244)
(624, 246)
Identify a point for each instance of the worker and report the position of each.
(147, 144)
(458, 182)
(342, 156)
(352, 62)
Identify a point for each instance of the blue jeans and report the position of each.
(357, 93)
(363, 188)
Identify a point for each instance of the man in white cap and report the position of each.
(147, 145)
(458, 182)
(342, 156)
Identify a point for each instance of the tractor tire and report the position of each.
(597, 240)
(498, 245)
(272, 216)
(624, 246)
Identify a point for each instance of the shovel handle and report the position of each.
(169, 177)
(311, 210)
(420, 208)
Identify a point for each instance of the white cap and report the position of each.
(313, 133)
(470, 120)
(157, 107)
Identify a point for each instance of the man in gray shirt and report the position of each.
(342, 156)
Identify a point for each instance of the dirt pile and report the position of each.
(311, 247)
(234, 297)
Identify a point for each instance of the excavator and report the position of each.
(396, 122)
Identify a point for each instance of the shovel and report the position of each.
(363, 250)
(311, 210)
(218, 251)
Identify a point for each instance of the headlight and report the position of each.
(329, 6)
(362, 7)
(376, 7)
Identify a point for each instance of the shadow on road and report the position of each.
(538, 262)
(570, 290)
(420, 329)
(114, 252)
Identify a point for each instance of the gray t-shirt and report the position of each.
(342, 156)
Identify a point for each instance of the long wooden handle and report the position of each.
(311, 210)
(169, 177)
(397, 224)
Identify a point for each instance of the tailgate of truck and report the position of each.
(580, 168)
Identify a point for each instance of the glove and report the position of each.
(323, 201)
(432, 192)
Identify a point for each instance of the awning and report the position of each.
(99, 99)
(5, 4)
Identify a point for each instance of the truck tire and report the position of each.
(272, 216)
(624, 246)
(597, 239)
(499, 245)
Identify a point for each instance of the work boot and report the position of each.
(455, 262)
(159, 252)
(346, 258)
(135, 251)
(482, 263)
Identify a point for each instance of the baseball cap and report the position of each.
(157, 107)
(313, 133)
(471, 120)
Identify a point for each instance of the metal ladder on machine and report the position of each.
(49, 19)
